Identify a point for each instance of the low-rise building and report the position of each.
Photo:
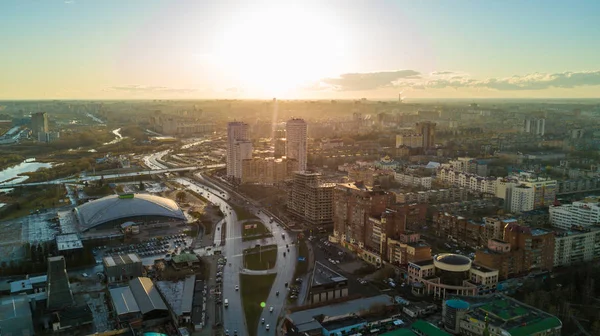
(326, 284)
(497, 315)
(123, 267)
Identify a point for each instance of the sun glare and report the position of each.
(274, 51)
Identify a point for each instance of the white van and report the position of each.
(226, 303)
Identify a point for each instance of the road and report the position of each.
(233, 251)
(151, 161)
(285, 266)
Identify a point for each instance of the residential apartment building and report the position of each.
(522, 198)
(578, 185)
(353, 204)
(409, 140)
(268, 171)
(296, 141)
(236, 132)
(370, 176)
(469, 165)
(413, 180)
(431, 196)
(311, 199)
(472, 182)
(521, 250)
(39, 123)
(427, 130)
(535, 126)
(242, 150)
(577, 245)
(544, 189)
(584, 213)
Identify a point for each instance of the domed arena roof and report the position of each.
(115, 207)
(452, 262)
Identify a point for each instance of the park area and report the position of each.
(260, 258)
(255, 230)
(254, 290)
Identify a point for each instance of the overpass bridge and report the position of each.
(109, 176)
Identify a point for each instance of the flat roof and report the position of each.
(68, 241)
(428, 329)
(305, 319)
(15, 316)
(188, 294)
(324, 275)
(342, 322)
(121, 259)
(123, 300)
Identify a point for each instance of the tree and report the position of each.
(180, 196)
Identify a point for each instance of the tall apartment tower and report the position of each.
(535, 126)
(238, 147)
(296, 141)
(427, 130)
(310, 198)
(39, 123)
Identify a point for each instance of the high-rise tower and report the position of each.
(238, 147)
(296, 141)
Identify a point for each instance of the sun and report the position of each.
(275, 51)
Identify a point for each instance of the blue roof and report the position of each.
(457, 304)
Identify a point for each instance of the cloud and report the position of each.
(367, 81)
(69, 2)
(439, 73)
(148, 89)
(534, 81)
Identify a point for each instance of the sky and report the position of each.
(309, 49)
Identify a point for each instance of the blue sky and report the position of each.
(303, 49)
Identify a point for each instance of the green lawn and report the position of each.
(254, 290)
(259, 261)
(301, 266)
(259, 232)
(242, 213)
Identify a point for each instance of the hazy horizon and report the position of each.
(309, 50)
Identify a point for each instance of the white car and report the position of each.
(237, 287)
(271, 310)
(267, 327)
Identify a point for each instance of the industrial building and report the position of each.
(15, 316)
(58, 287)
(112, 211)
(326, 284)
(123, 267)
(146, 295)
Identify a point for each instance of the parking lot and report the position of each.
(148, 250)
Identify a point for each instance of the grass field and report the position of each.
(242, 213)
(259, 232)
(301, 266)
(254, 290)
(256, 260)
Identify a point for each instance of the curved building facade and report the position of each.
(114, 210)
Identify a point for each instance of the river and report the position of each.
(118, 137)
(11, 175)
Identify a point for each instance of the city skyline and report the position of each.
(311, 50)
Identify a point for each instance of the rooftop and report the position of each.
(428, 329)
(123, 300)
(68, 241)
(121, 259)
(185, 258)
(146, 295)
(15, 316)
(511, 315)
(348, 321)
(324, 275)
(305, 319)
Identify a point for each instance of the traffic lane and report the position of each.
(285, 271)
